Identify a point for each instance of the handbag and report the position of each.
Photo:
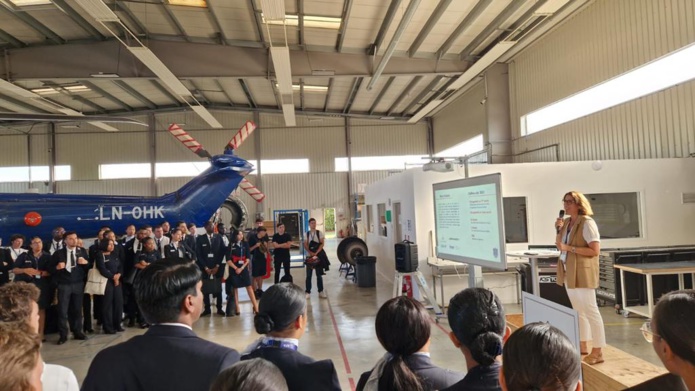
(211, 286)
(96, 283)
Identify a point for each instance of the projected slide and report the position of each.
(468, 215)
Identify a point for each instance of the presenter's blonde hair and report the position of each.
(582, 203)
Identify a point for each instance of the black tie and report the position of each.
(72, 259)
(158, 245)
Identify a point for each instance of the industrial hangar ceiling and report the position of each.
(388, 59)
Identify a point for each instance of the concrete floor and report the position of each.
(340, 328)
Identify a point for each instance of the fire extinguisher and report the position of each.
(408, 286)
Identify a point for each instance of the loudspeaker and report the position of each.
(406, 257)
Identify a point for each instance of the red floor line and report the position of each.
(440, 327)
(340, 341)
(352, 384)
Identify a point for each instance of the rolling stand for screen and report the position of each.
(422, 285)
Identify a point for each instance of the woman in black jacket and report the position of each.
(32, 267)
(403, 329)
(111, 267)
(282, 318)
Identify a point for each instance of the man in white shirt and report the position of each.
(56, 242)
(169, 295)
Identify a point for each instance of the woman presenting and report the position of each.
(578, 240)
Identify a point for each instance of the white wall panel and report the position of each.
(21, 187)
(130, 187)
(318, 144)
(463, 119)
(606, 39)
(385, 139)
(14, 151)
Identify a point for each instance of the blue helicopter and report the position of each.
(197, 201)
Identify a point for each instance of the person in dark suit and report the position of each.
(32, 267)
(132, 248)
(169, 356)
(403, 329)
(238, 262)
(56, 242)
(478, 328)
(6, 265)
(92, 251)
(282, 318)
(177, 249)
(539, 356)
(210, 251)
(186, 235)
(256, 374)
(68, 267)
(112, 303)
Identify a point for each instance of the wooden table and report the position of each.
(648, 270)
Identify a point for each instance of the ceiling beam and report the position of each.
(404, 94)
(33, 23)
(328, 94)
(430, 88)
(5, 36)
(201, 61)
(385, 24)
(256, 14)
(197, 92)
(467, 53)
(431, 22)
(463, 26)
(175, 22)
(134, 21)
(353, 93)
(18, 105)
(216, 21)
(301, 93)
(345, 17)
(300, 18)
(77, 18)
(247, 92)
(229, 98)
(106, 95)
(381, 94)
(135, 94)
(158, 85)
(83, 101)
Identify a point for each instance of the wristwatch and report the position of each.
(574, 250)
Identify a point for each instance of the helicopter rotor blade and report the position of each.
(188, 141)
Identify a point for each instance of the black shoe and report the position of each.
(120, 329)
(62, 340)
(131, 322)
(80, 336)
(89, 331)
(229, 314)
(206, 313)
(109, 331)
(220, 312)
(144, 325)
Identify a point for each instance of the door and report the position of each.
(397, 229)
(329, 222)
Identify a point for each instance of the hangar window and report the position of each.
(468, 147)
(124, 171)
(284, 166)
(665, 72)
(375, 163)
(33, 174)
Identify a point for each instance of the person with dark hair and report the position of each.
(281, 244)
(129, 234)
(32, 267)
(20, 355)
(9, 256)
(69, 267)
(579, 243)
(166, 228)
(132, 248)
(403, 329)
(160, 240)
(211, 253)
(478, 328)
(169, 356)
(239, 274)
(672, 334)
(186, 236)
(538, 356)
(177, 249)
(282, 318)
(250, 375)
(112, 303)
(314, 246)
(56, 242)
(258, 248)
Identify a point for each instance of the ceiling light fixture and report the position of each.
(29, 3)
(98, 10)
(321, 22)
(105, 75)
(189, 3)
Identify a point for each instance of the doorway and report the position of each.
(397, 229)
(329, 222)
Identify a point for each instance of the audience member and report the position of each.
(282, 318)
(403, 329)
(250, 375)
(672, 335)
(20, 355)
(32, 267)
(539, 357)
(112, 303)
(238, 261)
(169, 356)
(477, 322)
(18, 305)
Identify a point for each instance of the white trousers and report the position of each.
(590, 321)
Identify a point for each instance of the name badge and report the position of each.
(210, 255)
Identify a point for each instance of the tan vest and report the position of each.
(580, 271)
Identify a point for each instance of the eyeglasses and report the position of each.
(570, 201)
(647, 332)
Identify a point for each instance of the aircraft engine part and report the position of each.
(352, 248)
